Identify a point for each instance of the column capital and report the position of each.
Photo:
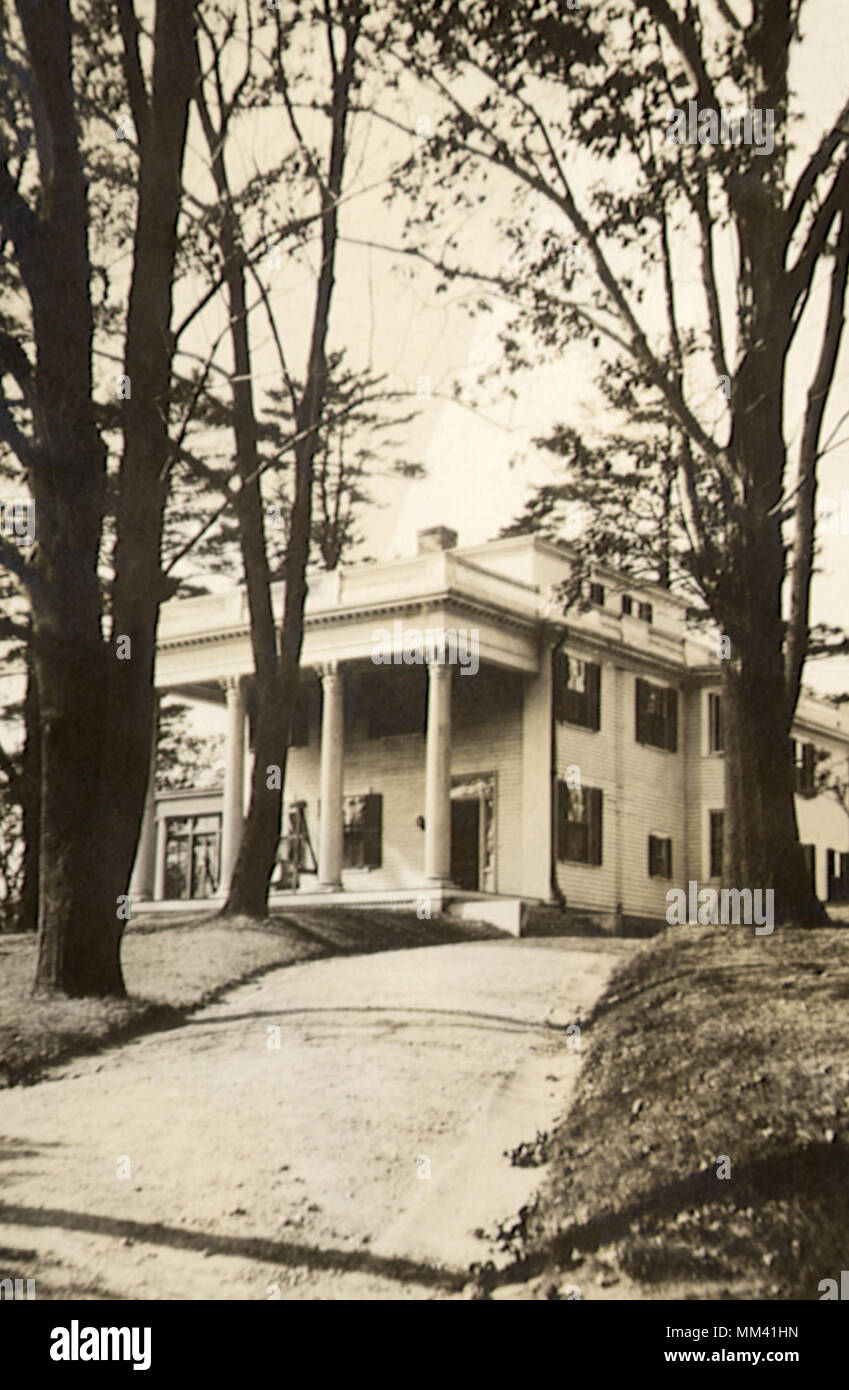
(232, 685)
(328, 670)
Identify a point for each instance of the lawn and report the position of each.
(707, 1152)
(173, 965)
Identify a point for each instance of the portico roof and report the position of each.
(208, 638)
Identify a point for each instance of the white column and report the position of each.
(159, 871)
(438, 775)
(232, 820)
(331, 780)
(141, 882)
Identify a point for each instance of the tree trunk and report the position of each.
(761, 848)
(277, 694)
(96, 708)
(248, 892)
(79, 930)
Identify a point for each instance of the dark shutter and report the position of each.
(593, 811)
(716, 742)
(808, 767)
(593, 696)
(640, 719)
(562, 820)
(560, 671)
(717, 834)
(672, 720)
(373, 831)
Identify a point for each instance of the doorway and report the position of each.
(473, 831)
(466, 843)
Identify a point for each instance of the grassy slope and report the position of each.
(708, 1042)
(174, 965)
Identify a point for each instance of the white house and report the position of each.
(458, 742)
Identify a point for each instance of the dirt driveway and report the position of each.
(334, 1130)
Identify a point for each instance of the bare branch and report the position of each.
(801, 572)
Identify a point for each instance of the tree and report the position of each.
(95, 691)
(620, 129)
(357, 445)
(276, 664)
(182, 759)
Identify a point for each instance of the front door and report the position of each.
(465, 842)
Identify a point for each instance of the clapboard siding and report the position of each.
(643, 793)
(486, 738)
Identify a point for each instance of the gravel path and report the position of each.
(334, 1130)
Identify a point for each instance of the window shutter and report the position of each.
(717, 836)
(562, 819)
(808, 766)
(595, 824)
(593, 696)
(560, 669)
(373, 830)
(672, 720)
(640, 711)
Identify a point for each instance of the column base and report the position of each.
(328, 888)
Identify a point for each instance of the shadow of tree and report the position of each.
(246, 1247)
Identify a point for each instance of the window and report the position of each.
(577, 697)
(717, 834)
(805, 759)
(660, 856)
(627, 605)
(395, 701)
(838, 876)
(810, 855)
(363, 832)
(597, 594)
(716, 733)
(192, 846)
(646, 612)
(657, 715)
(578, 824)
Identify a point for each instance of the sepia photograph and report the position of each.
(424, 669)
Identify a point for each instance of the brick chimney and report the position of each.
(436, 538)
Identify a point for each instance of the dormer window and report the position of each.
(627, 605)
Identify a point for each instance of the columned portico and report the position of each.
(232, 820)
(438, 775)
(331, 779)
(141, 882)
